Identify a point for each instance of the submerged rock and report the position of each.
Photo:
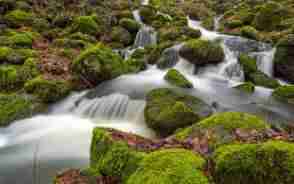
(170, 166)
(202, 52)
(174, 77)
(167, 110)
(270, 162)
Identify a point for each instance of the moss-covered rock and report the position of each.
(225, 128)
(247, 87)
(18, 18)
(284, 59)
(15, 107)
(121, 35)
(148, 14)
(113, 157)
(271, 162)
(202, 52)
(135, 65)
(170, 166)
(167, 110)
(249, 32)
(97, 64)
(129, 24)
(261, 79)
(174, 77)
(87, 25)
(285, 94)
(47, 90)
(269, 16)
(254, 75)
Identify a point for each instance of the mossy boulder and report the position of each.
(247, 87)
(285, 94)
(135, 65)
(284, 59)
(254, 75)
(18, 18)
(261, 79)
(249, 32)
(148, 14)
(113, 157)
(129, 24)
(270, 162)
(174, 77)
(121, 35)
(16, 107)
(47, 91)
(202, 52)
(169, 58)
(15, 56)
(97, 64)
(167, 110)
(87, 25)
(170, 166)
(269, 16)
(225, 128)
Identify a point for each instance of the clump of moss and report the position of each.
(24, 39)
(285, 94)
(87, 25)
(97, 64)
(148, 14)
(202, 52)
(247, 87)
(171, 166)
(15, 107)
(47, 90)
(113, 157)
(167, 110)
(129, 24)
(18, 18)
(174, 77)
(222, 128)
(121, 35)
(249, 32)
(271, 162)
(248, 63)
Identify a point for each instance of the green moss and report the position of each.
(147, 13)
(285, 93)
(249, 32)
(24, 39)
(17, 18)
(47, 90)
(171, 166)
(121, 35)
(269, 16)
(87, 25)
(261, 79)
(201, 52)
(135, 65)
(271, 162)
(176, 78)
(9, 78)
(113, 157)
(129, 24)
(167, 110)
(220, 128)
(247, 87)
(233, 23)
(4, 52)
(248, 63)
(97, 64)
(15, 107)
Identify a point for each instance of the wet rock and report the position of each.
(167, 110)
(168, 59)
(285, 94)
(174, 77)
(202, 52)
(247, 87)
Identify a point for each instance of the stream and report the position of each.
(36, 149)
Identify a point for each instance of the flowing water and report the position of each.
(35, 149)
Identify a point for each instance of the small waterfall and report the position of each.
(217, 22)
(137, 16)
(145, 2)
(265, 61)
(169, 58)
(145, 36)
(209, 35)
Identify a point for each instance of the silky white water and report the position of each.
(37, 148)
